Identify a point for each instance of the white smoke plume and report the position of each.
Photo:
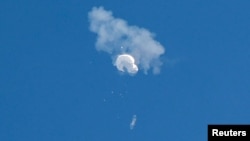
(117, 38)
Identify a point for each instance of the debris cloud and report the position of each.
(116, 37)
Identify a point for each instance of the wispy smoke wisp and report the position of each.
(116, 37)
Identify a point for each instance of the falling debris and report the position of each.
(133, 122)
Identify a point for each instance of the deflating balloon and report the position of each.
(126, 62)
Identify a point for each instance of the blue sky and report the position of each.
(55, 85)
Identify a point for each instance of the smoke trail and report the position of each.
(116, 37)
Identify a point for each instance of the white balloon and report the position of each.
(126, 62)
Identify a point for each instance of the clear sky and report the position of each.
(55, 85)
